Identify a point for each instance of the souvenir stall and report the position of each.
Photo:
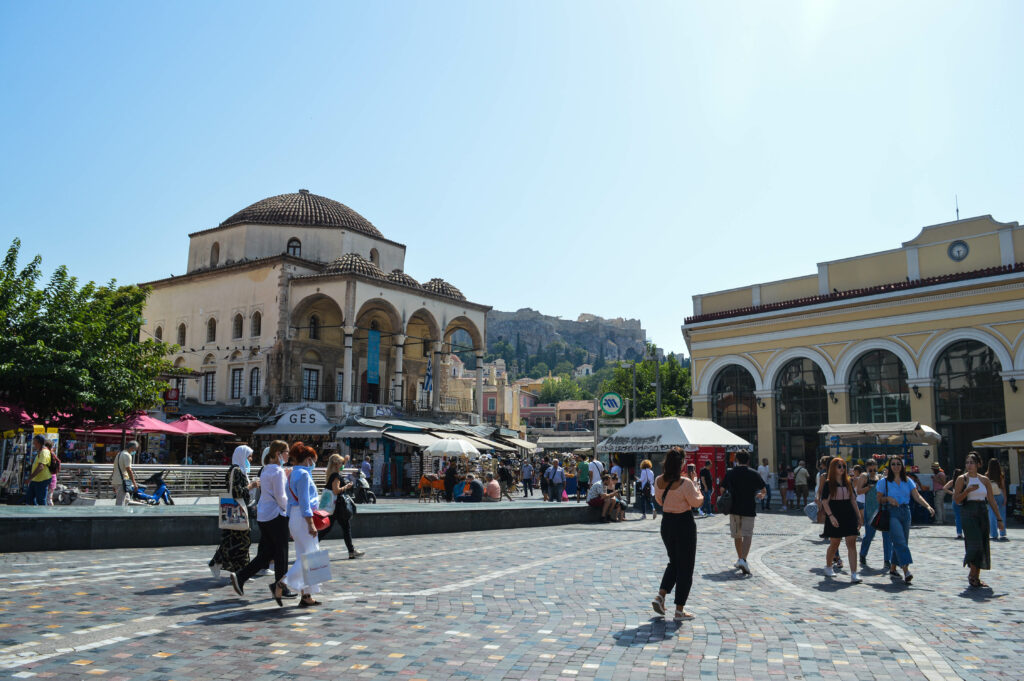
(1014, 442)
(701, 440)
(857, 442)
(305, 425)
(14, 449)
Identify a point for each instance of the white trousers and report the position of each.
(304, 543)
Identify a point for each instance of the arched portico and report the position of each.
(854, 352)
(377, 324)
(422, 332)
(771, 372)
(936, 346)
(708, 373)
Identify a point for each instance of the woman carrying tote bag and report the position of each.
(233, 553)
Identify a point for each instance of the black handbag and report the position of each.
(725, 502)
(881, 520)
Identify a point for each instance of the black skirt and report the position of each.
(844, 513)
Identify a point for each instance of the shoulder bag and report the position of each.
(724, 504)
(233, 515)
(881, 520)
(321, 519)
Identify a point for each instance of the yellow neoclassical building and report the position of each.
(932, 331)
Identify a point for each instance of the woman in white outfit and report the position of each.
(303, 499)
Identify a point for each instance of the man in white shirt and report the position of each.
(765, 472)
(122, 478)
(596, 469)
(599, 497)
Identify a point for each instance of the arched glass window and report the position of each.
(254, 381)
(294, 247)
(314, 328)
(801, 407)
(211, 330)
(181, 334)
(256, 325)
(159, 333)
(214, 254)
(878, 389)
(236, 327)
(375, 257)
(733, 405)
(968, 399)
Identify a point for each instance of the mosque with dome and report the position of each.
(300, 300)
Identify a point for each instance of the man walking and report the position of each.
(556, 481)
(707, 484)
(123, 477)
(765, 472)
(938, 483)
(746, 486)
(802, 476)
(527, 474)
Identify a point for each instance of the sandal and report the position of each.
(308, 602)
(681, 615)
(275, 593)
(658, 604)
(976, 583)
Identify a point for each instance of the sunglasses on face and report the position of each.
(896, 463)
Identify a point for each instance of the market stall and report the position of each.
(307, 425)
(1014, 443)
(861, 441)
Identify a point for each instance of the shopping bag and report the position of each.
(811, 511)
(233, 515)
(327, 501)
(316, 567)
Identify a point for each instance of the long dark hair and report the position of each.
(903, 469)
(994, 472)
(673, 468)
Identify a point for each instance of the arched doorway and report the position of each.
(801, 407)
(878, 389)
(733, 404)
(968, 399)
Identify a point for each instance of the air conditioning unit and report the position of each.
(244, 401)
(369, 411)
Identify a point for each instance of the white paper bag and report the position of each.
(316, 567)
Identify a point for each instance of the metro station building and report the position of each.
(932, 331)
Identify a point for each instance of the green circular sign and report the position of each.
(611, 403)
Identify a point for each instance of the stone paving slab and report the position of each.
(568, 602)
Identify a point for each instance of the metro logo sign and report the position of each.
(611, 403)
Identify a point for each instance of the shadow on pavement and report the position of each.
(191, 586)
(724, 576)
(980, 595)
(657, 629)
(251, 616)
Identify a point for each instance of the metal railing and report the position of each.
(329, 392)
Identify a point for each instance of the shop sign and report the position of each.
(302, 417)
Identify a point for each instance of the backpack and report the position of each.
(54, 464)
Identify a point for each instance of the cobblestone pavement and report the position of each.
(567, 602)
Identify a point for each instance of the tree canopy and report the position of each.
(675, 387)
(555, 390)
(74, 350)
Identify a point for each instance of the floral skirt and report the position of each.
(233, 553)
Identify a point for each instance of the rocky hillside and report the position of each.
(620, 338)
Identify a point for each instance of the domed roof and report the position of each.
(443, 288)
(352, 263)
(400, 277)
(302, 208)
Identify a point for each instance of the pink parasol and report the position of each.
(139, 423)
(189, 425)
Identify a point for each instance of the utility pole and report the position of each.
(634, 389)
(657, 382)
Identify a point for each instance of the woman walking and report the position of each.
(646, 492)
(233, 553)
(976, 494)
(866, 487)
(896, 490)
(342, 515)
(302, 501)
(272, 516)
(678, 496)
(843, 518)
(998, 482)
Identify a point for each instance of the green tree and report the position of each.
(558, 389)
(539, 370)
(563, 367)
(675, 387)
(75, 350)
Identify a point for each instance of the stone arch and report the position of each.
(182, 330)
(783, 358)
(209, 359)
(159, 333)
(179, 363)
(708, 374)
(376, 314)
(211, 330)
(937, 345)
(237, 326)
(329, 316)
(467, 325)
(380, 310)
(256, 324)
(375, 256)
(420, 330)
(214, 254)
(853, 353)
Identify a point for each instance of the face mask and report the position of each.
(246, 466)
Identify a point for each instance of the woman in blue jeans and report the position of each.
(896, 490)
(867, 485)
(957, 520)
(995, 476)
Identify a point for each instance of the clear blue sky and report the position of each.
(612, 158)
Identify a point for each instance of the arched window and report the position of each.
(878, 389)
(256, 325)
(214, 254)
(254, 381)
(733, 404)
(801, 407)
(375, 257)
(211, 330)
(159, 333)
(314, 328)
(181, 334)
(236, 327)
(968, 399)
(294, 247)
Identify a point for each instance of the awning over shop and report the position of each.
(298, 422)
(418, 440)
(1011, 440)
(522, 444)
(358, 431)
(478, 442)
(882, 433)
(492, 444)
(566, 442)
(661, 435)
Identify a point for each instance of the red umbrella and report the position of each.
(139, 423)
(189, 425)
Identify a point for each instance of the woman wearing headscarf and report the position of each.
(233, 553)
(272, 516)
(302, 501)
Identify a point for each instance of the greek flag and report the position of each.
(428, 382)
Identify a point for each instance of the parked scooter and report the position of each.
(162, 493)
(361, 492)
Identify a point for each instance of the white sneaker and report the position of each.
(215, 571)
(743, 566)
(829, 572)
(737, 563)
(854, 578)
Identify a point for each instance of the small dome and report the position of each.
(352, 263)
(303, 209)
(443, 288)
(400, 277)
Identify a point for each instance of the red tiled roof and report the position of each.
(857, 293)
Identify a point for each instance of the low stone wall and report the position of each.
(81, 528)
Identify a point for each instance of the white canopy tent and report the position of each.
(1011, 440)
(915, 432)
(661, 435)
